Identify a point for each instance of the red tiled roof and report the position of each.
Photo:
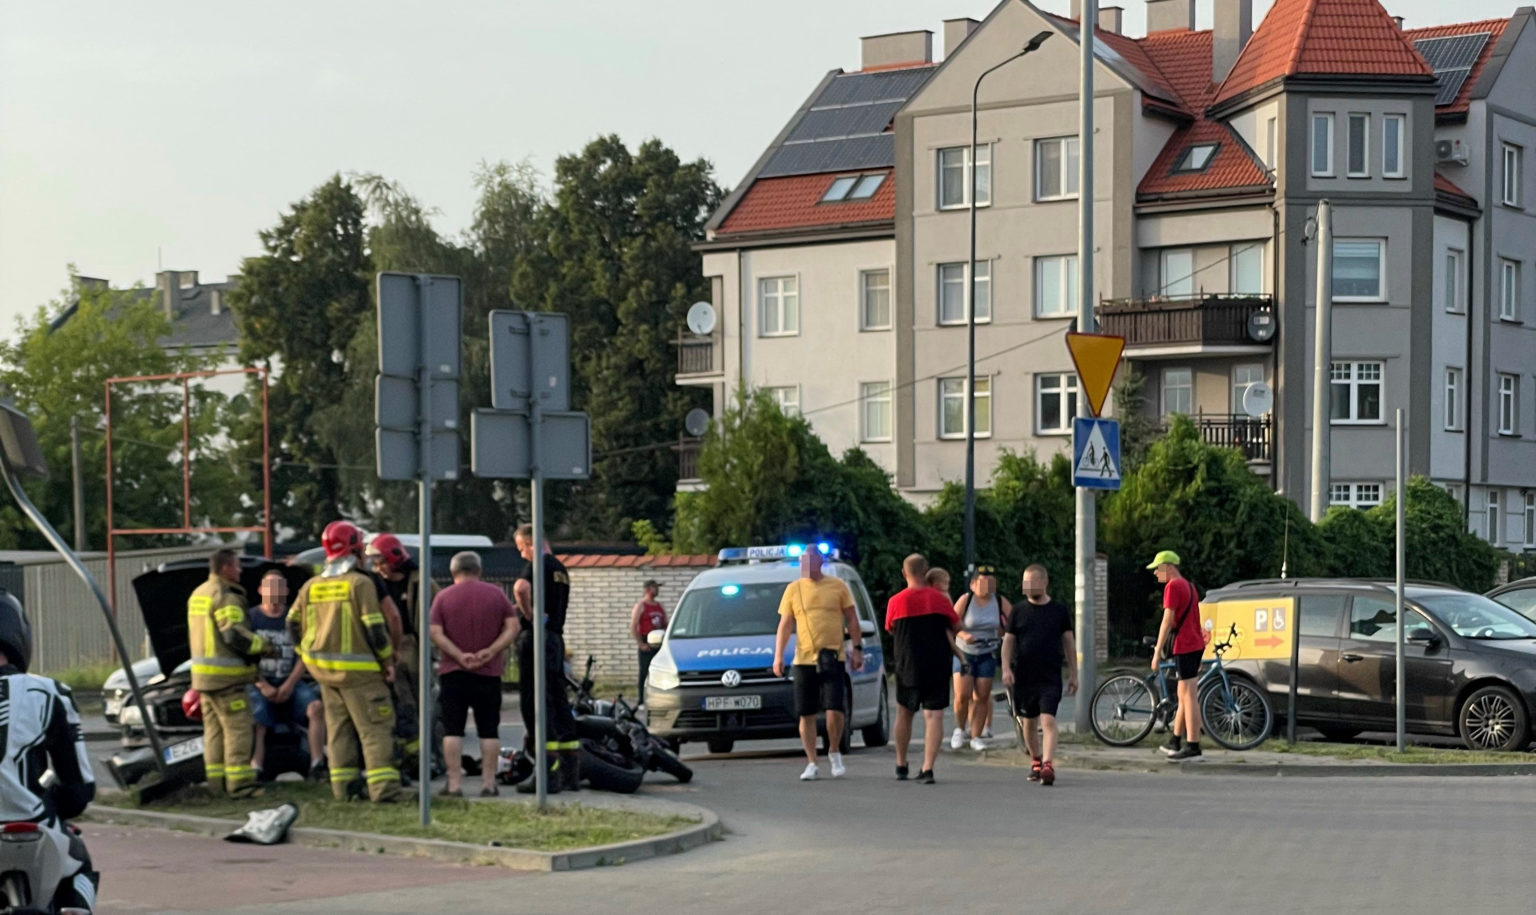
(1233, 167)
(1495, 28)
(1130, 50)
(1184, 59)
(1323, 37)
(590, 561)
(794, 202)
(1444, 185)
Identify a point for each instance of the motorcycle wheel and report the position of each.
(606, 770)
(666, 762)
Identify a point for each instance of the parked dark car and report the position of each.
(1519, 595)
(1470, 661)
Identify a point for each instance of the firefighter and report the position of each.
(402, 579)
(562, 746)
(224, 652)
(345, 643)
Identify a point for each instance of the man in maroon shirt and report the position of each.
(1181, 616)
(472, 623)
(924, 625)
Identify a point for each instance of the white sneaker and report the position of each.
(987, 734)
(811, 773)
(977, 745)
(957, 739)
(838, 769)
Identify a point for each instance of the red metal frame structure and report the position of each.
(185, 378)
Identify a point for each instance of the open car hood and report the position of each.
(163, 594)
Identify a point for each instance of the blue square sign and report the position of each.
(1096, 453)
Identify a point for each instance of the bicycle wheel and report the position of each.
(1122, 710)
(1239, 718)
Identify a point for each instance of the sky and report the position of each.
(164, 134)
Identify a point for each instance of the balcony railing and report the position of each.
(1249, 435)
(688, 459)
(696, 355)
(1209, 319)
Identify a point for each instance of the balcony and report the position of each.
(698, 357)
(1188, 323)
(1249, 435)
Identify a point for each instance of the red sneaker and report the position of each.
(1034, 770)
(1047, 774)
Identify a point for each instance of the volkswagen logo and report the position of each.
(731, 679)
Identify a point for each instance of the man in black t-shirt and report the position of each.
(1036, 642)
(560, 723)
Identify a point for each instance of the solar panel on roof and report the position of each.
(877, 151)
(844, 121)
(860, 88)
(1449, 84)
(1452, 59)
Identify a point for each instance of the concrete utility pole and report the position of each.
(1322, 364)
(1087, 541)
(1401, 696)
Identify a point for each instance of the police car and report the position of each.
(713, 678)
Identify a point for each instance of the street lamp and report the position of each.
(970, 322)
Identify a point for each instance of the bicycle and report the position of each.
(1236, 713)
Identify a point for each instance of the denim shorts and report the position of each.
(980, 666)
(295, 710)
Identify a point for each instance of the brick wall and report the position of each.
(1101, 608)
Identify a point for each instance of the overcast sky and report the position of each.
(167, 132)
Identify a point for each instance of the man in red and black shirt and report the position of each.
(924, 626)
(645, 617)
(1181, 616)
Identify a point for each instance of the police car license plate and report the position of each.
(187, 749)
(732, 703)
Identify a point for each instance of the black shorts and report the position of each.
(463, 692)
(934, 697)
(1033, 698)
(1187, 664)
(816, 692)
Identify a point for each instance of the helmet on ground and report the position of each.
(341, 538)
(15, 631)
(192, 705)
(389, 548)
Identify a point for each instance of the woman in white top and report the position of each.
(981, 611)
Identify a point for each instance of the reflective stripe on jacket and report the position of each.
(224, 649)
(340, 630)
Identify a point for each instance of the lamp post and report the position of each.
(970, 321)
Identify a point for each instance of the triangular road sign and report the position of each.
(1096, 356)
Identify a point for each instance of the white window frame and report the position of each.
(1513, 160)
(1239, 387)
(787, 396)
(1068, 175)
(1355, 495)
(1452, 278)
(951, 388)
(983, 187)
(1325, 119)
(1452, 398)
(1398, 148)
(983, 290)
(1530, 519)
(1186, 384)
(1065, 266)
(1381, 270)
(1509, 403)
(1509, 289)
(874, 395)
(783, 328)
(1355, 383)
(1065, 388)
(1492, 513)
(1185, 277)
(1234, 255)
(1364, 171)
(865, 289)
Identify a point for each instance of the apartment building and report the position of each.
(1212, 150)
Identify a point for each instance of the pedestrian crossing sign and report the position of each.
(1095, 453)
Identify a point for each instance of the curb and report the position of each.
(706, 830)
(1372, 770)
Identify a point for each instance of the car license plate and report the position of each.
(187, 749)
(732, 703)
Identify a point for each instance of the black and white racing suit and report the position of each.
(39, 728)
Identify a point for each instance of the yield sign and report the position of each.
(1096, 356)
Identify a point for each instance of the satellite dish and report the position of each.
(701, 318)
(1261, 327)
(696, 422)
(1258, 399)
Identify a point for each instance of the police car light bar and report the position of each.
(770, 553)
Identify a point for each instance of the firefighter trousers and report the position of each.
(229, 736)
(360, 738)
(559, 720)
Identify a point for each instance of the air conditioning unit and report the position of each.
(1449, 152)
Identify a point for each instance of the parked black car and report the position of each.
(1470, 661)
(1520, 595)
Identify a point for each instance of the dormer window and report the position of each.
(1196, 158)
(853, 187)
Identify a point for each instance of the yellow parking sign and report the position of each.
(1264, 627)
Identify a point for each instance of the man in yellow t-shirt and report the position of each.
(815, 609)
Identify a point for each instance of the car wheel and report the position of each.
(721, 745)
(1337, 731)
(1492, 718)
(879, 733)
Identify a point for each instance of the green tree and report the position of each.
(1138, 429)
(1363, 544)
(298, 307)
(55, 369)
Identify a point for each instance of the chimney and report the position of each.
(216, 301)
(166, 284)
(1110, 18)
(1398, 21)
(956, 31)
(898, 49)
(1163, 15)
(188, 279)
(1232, 26)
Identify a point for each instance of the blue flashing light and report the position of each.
(824, 548)
(730, 590)
(794, 550)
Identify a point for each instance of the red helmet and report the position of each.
(341, 538)
(389, 548)
(192, 705)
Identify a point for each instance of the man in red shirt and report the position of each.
(1181, 616)
(924, 626)
(647, 616)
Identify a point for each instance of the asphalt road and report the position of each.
(982, 840)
